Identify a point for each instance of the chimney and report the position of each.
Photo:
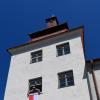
(51, 22)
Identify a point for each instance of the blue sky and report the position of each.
(21, 17)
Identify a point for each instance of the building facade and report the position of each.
(52, 65)
(93, 72)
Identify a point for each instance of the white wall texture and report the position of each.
(21, 70)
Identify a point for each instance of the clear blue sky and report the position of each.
(18, 18)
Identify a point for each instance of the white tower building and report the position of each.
(52, 62)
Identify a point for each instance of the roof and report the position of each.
(49, 33)
(93, 60)
(49, 30)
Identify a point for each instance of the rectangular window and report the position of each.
(66, 79)
(63, 49)
(36, 56)
(35, 85)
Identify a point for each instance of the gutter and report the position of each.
(94, 80)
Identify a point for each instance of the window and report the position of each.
(36, 56)
(63, 49)
(35, 85)
(66, 79)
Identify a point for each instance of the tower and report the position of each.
(52, 62)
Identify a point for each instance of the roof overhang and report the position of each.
(79, 29)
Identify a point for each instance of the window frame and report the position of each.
(66, 78)
(36, 57)
(34, 79)
(60, 48)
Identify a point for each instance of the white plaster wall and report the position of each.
(21, 71)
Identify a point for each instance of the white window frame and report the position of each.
(36, 57)
(62, 47)
(65, 78)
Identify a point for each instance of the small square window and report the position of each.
(63, 49)
(66, 79)
(36, 56)
(35, 85)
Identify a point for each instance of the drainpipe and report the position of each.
(94, 80)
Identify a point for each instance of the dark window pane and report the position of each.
(62, 85)
(62, 82)
(32, 54)
(39, 53)
(39, 86)
(66, 50)
(70, 83)
(62, 75)
(60, 52)
(70, 78)
(33, 60)
(39, 59)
